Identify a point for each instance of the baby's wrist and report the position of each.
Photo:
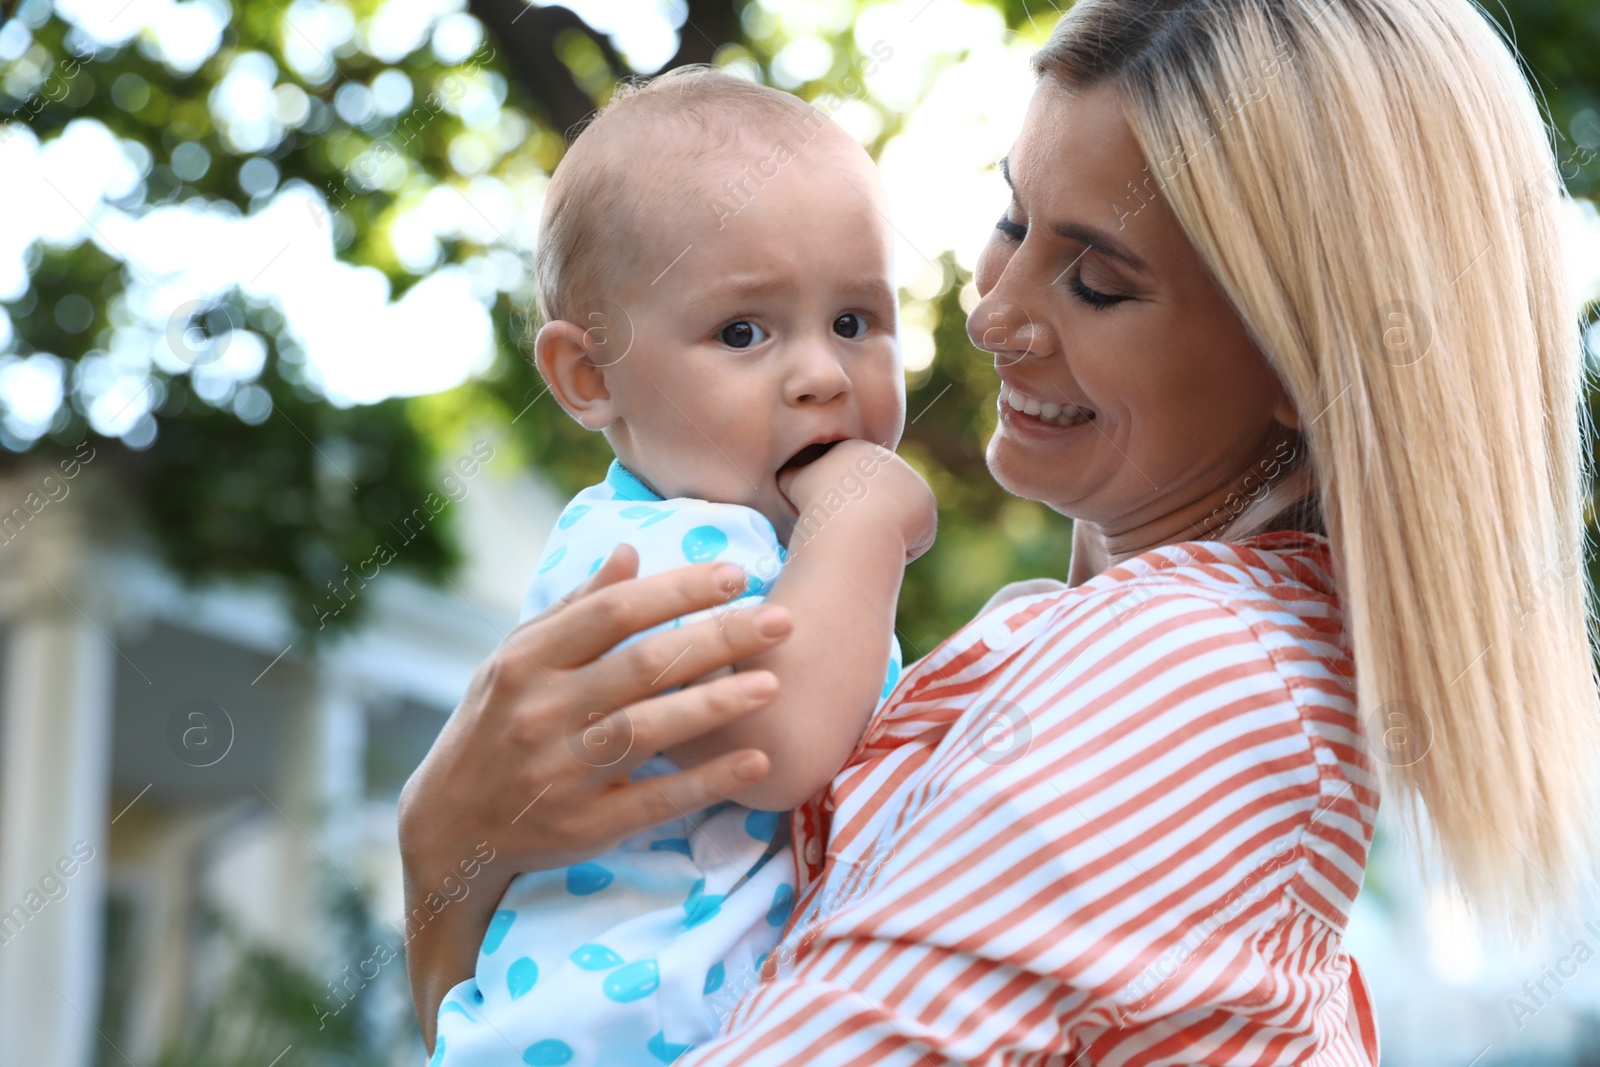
(863, 519)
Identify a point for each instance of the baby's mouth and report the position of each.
(809, 454)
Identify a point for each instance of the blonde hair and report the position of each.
(593, 213)
(1373, 188)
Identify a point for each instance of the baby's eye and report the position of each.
(742, 334)
(849, 325)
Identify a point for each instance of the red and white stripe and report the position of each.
(1122, 823)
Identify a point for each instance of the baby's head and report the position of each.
(714, 280)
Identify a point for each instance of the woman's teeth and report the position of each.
(1044, 411)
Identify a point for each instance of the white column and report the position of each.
(55, 776)
(54, 789)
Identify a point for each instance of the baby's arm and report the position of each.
(864, 514)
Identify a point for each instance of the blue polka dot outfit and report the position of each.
(635, 956)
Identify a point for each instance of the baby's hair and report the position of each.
(592, 206)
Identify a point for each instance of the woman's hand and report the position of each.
(531, 771)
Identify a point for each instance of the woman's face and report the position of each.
(1094, 301)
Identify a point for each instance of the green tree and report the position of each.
(275, 481)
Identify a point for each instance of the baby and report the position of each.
(714, 264)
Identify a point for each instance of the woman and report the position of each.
(1289, 270)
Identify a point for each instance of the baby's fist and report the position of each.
(868, 479)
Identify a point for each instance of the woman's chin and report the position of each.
(1022, 471)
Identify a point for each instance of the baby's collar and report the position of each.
(626, 485)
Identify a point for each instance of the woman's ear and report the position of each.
(563, 352)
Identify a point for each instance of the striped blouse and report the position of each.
(1118, 823)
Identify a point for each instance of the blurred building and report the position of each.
(171, 755)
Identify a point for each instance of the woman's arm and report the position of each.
(531, 770)
(863, 515)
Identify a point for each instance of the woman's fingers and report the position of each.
(641, 805)
(622, 564)
(675, 657)
(624, 737)
(592, 624)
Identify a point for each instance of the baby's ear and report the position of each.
(573, 365)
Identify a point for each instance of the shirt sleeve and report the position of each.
(1097, 864)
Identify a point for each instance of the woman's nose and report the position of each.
(816, 376)
(1004, 328)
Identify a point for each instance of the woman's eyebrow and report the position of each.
(1098, 239)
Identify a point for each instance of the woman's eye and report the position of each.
(1014, 231)
(742, 334)
(1093, 297)
(849, 325)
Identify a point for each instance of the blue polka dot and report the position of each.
(521, 976)
(714, 977)
(664, 1052)
(552, 559)
(477, 996)
(592, 957)
(783, 554)
(451, 1006)
(596, 564)
(761, 825)
(672, 844)
(499, 926)
(782, 905)
(760, 960)
(547, 1053)
(632, 982)
(704, 543)
(890, 681)
(702, 910)
(700, 907)
(572, 515)
(586, 878)
(755, 585)
(438, 1053)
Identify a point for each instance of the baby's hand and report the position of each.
(858, 474)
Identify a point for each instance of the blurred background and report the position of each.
(275, 471)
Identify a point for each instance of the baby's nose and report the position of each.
(818, 377)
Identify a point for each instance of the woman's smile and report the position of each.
(1112, 341)
(1025, 407)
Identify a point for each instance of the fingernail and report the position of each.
(772, 622)
(729, 578)
(748, 768)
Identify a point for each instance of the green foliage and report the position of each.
(300, 492)
(266, 1003)
(306, 494)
